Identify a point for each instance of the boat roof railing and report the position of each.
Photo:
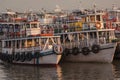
(86, 31)
(24, 38)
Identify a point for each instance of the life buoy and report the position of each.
(29, 56)
(22, 57)
(95, 48)
(98, 25)
(85, 50)
(17, 56)
(75, 51)
(58, 49)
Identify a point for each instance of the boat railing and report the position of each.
(79, 44)
(7, 50)
(83, 43)
(92, 41)
(69, 29)
(24, 49)
(27, 49)
(82, 26)
(23, 34)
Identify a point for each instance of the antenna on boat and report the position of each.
(80, 6)
(58, 9)
(94, 7)
(114, 7)
(9, 10)
(43, 10)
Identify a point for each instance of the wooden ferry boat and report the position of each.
(87, 39)
(25, 43)
(89, 46)
(114, 19)
(83, 38)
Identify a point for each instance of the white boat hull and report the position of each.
(105, 56)
(49, 59)
(52, 59)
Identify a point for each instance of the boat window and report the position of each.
(17, 27)
(33, 25)
(13, 43)
(67, 37)
(9, 44)
(83, 19)
(92, 18)
(98, 17)
(37, 42)
(6, 44)
(75, 37)
(50, 41)
(27, 25)
(17, 45)
(29, 43)
(43, 41)
(56, 40)
(104, 37)
(101, 34)
(23, 43)
(11, 28)
(111, 34)
(92, 35)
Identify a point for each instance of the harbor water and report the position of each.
(64, 71)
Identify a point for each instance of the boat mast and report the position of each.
(95, 11)
(80, 6)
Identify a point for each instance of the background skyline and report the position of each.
(36, 5)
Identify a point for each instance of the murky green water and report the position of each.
(65, 71)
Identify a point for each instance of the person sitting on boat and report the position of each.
(65, 28)
(102, 40)
(51, 31)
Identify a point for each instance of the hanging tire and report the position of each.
(2, 56)
(10, 60)
(85, 51)
(17, 57)
(66, 51)
(58, 49)
(95, 48)
(13, 54)
(5, 57)
(22, 57)
(75, 51)
(29, 56)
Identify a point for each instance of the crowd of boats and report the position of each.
(48, 37)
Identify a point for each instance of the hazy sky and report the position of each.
(22, 5)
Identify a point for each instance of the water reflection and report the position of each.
(87, 71)
(116, 69)
(18, 72)
(66, 71)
